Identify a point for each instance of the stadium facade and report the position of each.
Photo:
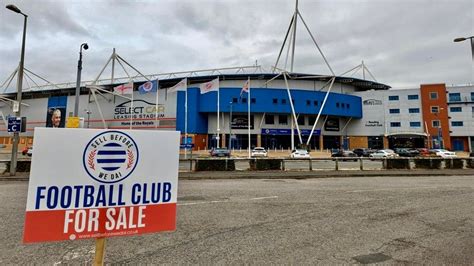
(358, 113)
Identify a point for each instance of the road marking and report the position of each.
(224, 201)
(389, 189)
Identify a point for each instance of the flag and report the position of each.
(180, 86)
(212, 85)
(245, 88)
(149, 86)
(124, 88)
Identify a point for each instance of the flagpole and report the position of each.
(131, 111)
(218, 128)
(156, 104)
(248, 115)
(186, 120)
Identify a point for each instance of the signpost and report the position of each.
(16, 124)
(103, 183)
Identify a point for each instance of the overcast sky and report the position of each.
(404, 43)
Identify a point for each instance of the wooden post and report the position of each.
(99, 251)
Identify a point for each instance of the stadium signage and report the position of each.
(141, 110)
(101, 184)
(372, 123)
(372, 102)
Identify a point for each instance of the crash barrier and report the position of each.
(315, 164)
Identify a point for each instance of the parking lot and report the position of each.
(421, 220)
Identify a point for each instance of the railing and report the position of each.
(340, 164)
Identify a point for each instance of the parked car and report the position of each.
(345, 154)
(444, 153)
(259, 152)
(407, 152)
(220, 152)
(424, 152)
(363, 152)
(471, 154)
(383, 154)
(301, 154)
(27, 151)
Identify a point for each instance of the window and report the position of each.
(308, 102)
(455, 109)
(343, 105)
(455, 97)
(311, 120)
(413, 97)
(434, 109)
(283, 119)
(244, 100)
(435, 123)
(414, 110)
(393, 98)
(457, 123)
(394, 111)
(283, 101)
(253, 100)
(275, 100)
(337, 105)
(415, 124)
(301, 120)
(395, 124)
(433, 95)
(269, 119)
(472, 96)
(348, 106)
(234, 100)
(315, 103)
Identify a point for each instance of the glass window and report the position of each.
(308, 102)
(395, 124)
(435, 123)
(315, 103)
(283, 119)
(394, 111)
(301, 120)
(433, 95)
(283, 101)
(348, 106)
(235, 100)
(244, 100)
(455, 97)
(434, 109)
(269, 119)
(337, 105)
(455, 109)
(414, 110)
(472, 96)
(413, 97)
(457, 123)
(393, 98)
(275, 100)
(253, 100)
(311, 120)
(415, 124)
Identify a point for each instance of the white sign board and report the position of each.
(87, 183)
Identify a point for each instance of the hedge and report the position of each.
(454, 163)
(428, 163)
(215, 165)
(21, 166)
(265, 164)
(470, 163)
(397, 164)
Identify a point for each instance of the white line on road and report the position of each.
(224, 201)
(390, 189)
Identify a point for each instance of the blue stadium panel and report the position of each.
(266, 100)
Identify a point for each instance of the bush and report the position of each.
(397, 164)
(428, 163)
(454, 163)
(265, 164)
(215, 165)
(21, 166)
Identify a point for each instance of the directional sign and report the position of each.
(14, 124)
(186, 146)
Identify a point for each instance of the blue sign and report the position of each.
(14, 124)
(186, 146)
(284, 131)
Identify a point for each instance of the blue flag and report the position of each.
(149, 86)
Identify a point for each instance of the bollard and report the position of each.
(337, 164)
(310, 164)
(190, 165)
(283, 164)
(361, 165)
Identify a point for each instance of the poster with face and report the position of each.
(56, 113)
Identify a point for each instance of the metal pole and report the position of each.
(230, 127)
(16, 135)
(78, 81)
(248, 119)
(294, 36)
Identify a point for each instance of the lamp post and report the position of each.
(78, 82)
(230, 127)
(19, 84)
(88, 112)
(472, 43)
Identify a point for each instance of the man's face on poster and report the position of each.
(56, 118)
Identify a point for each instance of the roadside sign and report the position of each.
(14, 124)
(87, 183)
(72, 122)
(16, 106)
(186, 146)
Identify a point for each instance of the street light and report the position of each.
(230, 127)
(461, 39)
(78, 82)
(88, 112)
(19, 84)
